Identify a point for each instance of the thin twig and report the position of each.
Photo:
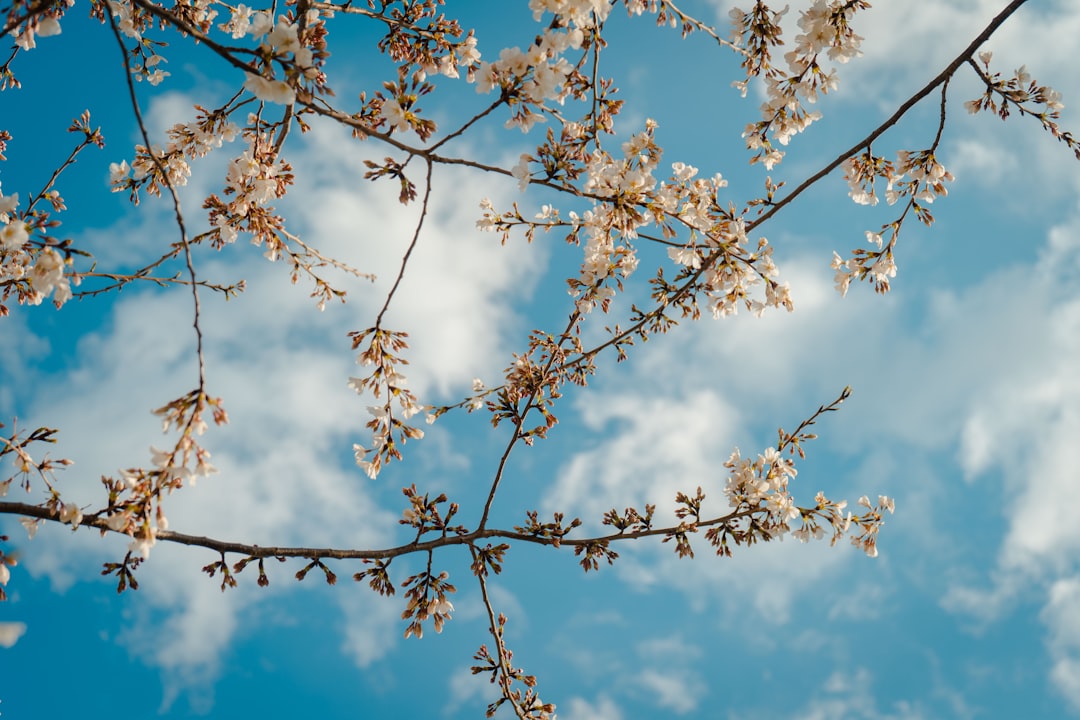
(176, 209)
(424, 208)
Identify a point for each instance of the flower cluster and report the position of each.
(396, 109)
(31, 269)
(284, 43)
(252, 180)
(427, 599)
(763, 481)
(17, 446)
(622, 189)
(535, 75)
(1018, 90)
(459, 55)
(629, 199)
(44, 25)
(169, 166)
(1023, 94)
(37, 271)
(917, 176)
(877, 266)
(384, 382)
(870, 523)
(136, 495)
(825, 28)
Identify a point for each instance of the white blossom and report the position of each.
(274, 91)
(394, 114)
(70, 513)
(13, 235)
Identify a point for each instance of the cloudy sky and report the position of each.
(965, 409)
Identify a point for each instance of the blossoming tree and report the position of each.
(608, 191)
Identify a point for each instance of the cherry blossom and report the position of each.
(270, 90)
(652, 241)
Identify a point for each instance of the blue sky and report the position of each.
(966, 407)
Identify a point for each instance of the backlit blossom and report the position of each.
(239, 23)
(48, 26)
(687, 256)
(157, 75)
(141, 546)
(394, 114)
(360, 454)
(48, 275)
(13, 235)
(118, 521)
(45, 26)
(126, 24)
(259, 24)
(274, 91)
(8, 203)
(70, 513)
(521, 172)
(283, 38)
(31, 525)
(782, 507)
(118, 173)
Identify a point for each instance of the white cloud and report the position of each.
(10, 632)
(371, 627)
(464, 688)
(281, 480)
(982, 162)
(670, 675)
(458, 295)
(848, 696)
(577, 708)
(866, 600)
(184, 627)
(16, 361)
(667, 649)
(1024, 421)
(659, 445)
(504, 600)
(1062, 617)
(671, 690)
(766, 579)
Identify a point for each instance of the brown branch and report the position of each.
(97, 521)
